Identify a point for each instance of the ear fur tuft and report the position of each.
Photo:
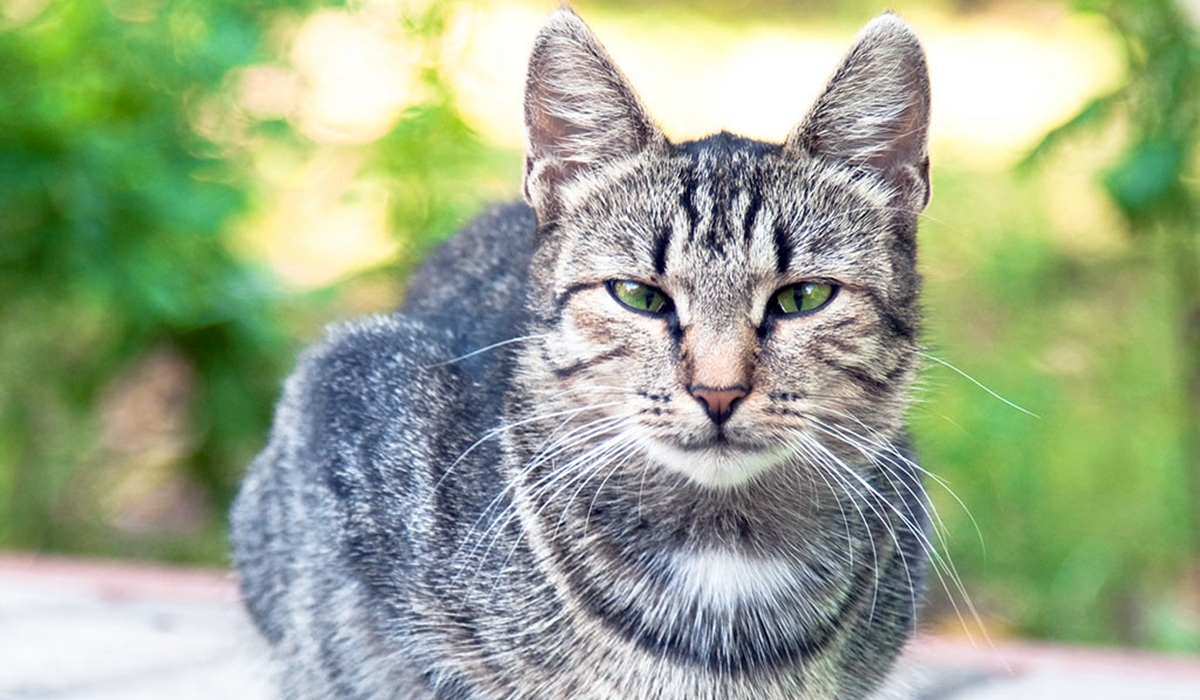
(874, 113)
(580, 112)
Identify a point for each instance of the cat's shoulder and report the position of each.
(480, 272)
(365, 368)
(374, 344)
(395, 372)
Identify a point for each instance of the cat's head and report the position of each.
(724, 306)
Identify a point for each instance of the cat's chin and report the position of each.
(716, 465)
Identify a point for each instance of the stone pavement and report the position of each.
(72, 630)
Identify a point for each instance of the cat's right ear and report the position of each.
(581, 114)
(874, 113)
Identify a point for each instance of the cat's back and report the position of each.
(474, 284)
(337, 510)
(377, 413)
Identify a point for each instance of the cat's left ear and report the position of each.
(874, 113)
(581, 114)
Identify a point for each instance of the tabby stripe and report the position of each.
(755, 642)
(897, 325)
(783, 248)
(560, 302)
(858, 374)
(676, 332)
(679, 642)
(842, 346)
(849, 350)
(720, 202)
(748, 651)
(661, 243)
(750, 217)
(905, 364)
(576, 367)
(687, 200)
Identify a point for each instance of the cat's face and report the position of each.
(732, 303)
(723, 306)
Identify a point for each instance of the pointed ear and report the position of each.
(580, 112)
(874, 113)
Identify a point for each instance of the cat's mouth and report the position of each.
(718, 460)
(720, 438)
(719, 441)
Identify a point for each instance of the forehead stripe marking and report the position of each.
(783, 248)
(751, 215)
(687, 199)
(661, 242)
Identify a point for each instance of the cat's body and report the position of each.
(607, 450)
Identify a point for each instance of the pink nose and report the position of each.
(719, 402)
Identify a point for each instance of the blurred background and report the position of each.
(191, 189)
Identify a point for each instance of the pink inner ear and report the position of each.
(580, 111)
(875, 110)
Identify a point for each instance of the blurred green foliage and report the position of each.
(438, 170)
(1090, 512)
(1074, 524)
(125, 164)
(112, 242)
(1151, 181)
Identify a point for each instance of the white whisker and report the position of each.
(482, 350)
(979, 384)
(563, 442)
(943, 567)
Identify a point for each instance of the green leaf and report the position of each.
(1094, 114)
(1146, 177)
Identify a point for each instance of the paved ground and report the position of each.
(88, 631)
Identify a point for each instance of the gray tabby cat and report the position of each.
(641, 439)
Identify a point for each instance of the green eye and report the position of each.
(640, 297)
(799, 298)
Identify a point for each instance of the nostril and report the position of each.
(719, 402)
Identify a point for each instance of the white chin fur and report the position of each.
(716, 467)
(725, 579)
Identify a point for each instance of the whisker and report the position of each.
(944, 567)
(580, 434)
(593, 460)
(905, 519)
(979, 384)
(482, 350)
(889, 446)
(808, 452)
(624, 460)
(496, 432)
(823, 457)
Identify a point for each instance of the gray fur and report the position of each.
(513, 487)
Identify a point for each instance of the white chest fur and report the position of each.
(726, 579)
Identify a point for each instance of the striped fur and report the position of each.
(518, 487)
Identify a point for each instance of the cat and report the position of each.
(641, 436)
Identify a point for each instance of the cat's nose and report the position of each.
(719, 402)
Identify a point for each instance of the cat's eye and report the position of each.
(801, 298)
(640, 297)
